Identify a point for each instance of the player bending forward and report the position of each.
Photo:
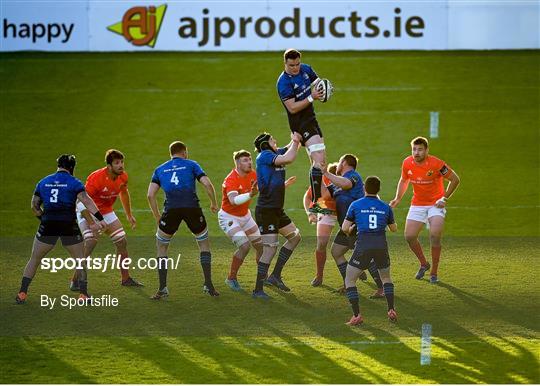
(104, 186)
(370, 216)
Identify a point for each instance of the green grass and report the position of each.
(484, 314)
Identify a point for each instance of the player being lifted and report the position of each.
(234, 217)
(428, 205)
(53, 203)
(104, 186)
(295, 89)
(271, 218)
(177, 179)
(370, 216)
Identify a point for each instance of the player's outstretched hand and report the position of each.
(296, 137)
(312, 218)
(132, 221)
(394, 203)
(290, 181)
(254, 189)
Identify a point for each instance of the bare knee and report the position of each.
(435, 240)
(243, 250)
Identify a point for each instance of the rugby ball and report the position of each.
(326, 88)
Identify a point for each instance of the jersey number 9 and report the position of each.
(372, 221)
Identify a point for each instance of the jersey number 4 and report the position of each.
(54, 195)
(174, 178)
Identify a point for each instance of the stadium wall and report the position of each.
(92, 25)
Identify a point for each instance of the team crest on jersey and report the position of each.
(429, 173)
(306, 76)
(271, 227)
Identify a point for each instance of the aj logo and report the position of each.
(140, 25)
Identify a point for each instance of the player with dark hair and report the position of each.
(269, 213)
(370, 216)
(53, 203)
(297, 90)
(428, 205)
(104, 186)
(177, 178)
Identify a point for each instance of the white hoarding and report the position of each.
(95, 25)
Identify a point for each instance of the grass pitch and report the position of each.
(484, 313)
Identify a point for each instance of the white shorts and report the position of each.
(228, 221)
(327, 219)
(423, 213)
(109, 217)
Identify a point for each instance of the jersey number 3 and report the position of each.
(174, 178)
(54, 195)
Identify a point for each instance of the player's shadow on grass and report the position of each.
(170, 357)
(496, 310)
(478, 360)
(43, 367)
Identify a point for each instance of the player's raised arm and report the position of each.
(291, 153)
(239, 199)
(402, 186)
(126, 204)
(294, 106)
(152, 200)
(210, 191)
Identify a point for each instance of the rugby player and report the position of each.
(53, 203)
(370, 216)
(295, 90)
(234, 217)
(325, 224)
(177, 179)
(426, 173)
(271, 218)
(104, 186)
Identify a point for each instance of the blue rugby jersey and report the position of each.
(371, 217)
(299, 88)
(177, 179)
(270, 179)
(58, 192)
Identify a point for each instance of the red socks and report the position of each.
(320, 257)
(417, 249)
(235, 266)
(435, 257)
